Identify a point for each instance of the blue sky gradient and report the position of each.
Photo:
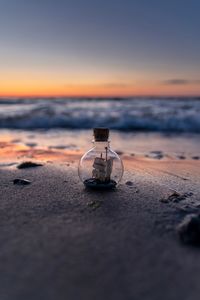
(112, 42)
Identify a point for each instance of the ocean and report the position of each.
(134, 114)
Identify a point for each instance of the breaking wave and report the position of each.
(137, 114)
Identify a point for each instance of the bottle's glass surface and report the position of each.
(100, 167)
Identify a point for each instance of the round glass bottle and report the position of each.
(100, 167)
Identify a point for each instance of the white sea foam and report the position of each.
(146, 114)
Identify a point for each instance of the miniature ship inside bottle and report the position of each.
(101, 174)
(100, 167)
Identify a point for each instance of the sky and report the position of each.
(99, 47)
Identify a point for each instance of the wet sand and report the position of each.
(61, 241)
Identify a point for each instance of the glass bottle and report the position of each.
(100, 167)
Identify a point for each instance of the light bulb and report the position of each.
(100, 167)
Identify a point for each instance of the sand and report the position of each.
(61, 241)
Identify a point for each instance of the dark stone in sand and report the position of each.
(176, 197)
(196, 157)
(189, 230)
(19, 181)
(31, 144)
(129, 183)
(181, 157)
(28, 164)
(95, 184)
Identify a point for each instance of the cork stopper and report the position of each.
(101, 134)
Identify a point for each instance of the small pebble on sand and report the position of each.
(19, 181)
(129, 183)
(189, 229)
(181, 157)
(175, 197)
(28, 164)
(32, 145)
(195, 157)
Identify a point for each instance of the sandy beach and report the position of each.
(99, 150)
(62, 241)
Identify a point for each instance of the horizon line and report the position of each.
(96, 96)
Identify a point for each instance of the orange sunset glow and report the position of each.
(32, 88)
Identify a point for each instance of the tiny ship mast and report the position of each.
(102, 167)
